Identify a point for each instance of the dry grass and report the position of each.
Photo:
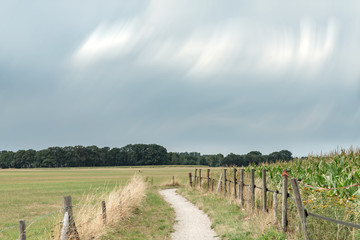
(171, 183)
(120, 205)
(258, 222)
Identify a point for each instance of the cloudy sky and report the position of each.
(206, 76)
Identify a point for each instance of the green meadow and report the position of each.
(35, 195)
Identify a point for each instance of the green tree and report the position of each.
(6, 157)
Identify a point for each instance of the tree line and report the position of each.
(129, 155)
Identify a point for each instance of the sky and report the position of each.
(205, 76)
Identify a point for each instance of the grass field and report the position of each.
(32, 193)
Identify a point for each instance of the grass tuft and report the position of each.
(121, 204)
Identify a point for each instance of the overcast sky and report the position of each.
(205, 76)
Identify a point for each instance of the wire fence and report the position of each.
(90, 213)
(32, 222)
(8, 228)
(40, 218)
(197, 179)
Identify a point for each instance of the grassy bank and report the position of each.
(153, 220)
(231, 222)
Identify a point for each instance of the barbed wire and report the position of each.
(286, 173)
(328, 189)
(307, 213)
(41, 217)
(8, 228)
(38, 218)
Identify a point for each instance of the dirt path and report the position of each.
(192, 223)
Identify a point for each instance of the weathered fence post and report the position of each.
(275, 206)
(173, 181)
(65, 226)
(252, 190)
(190, 179)
(300, 207)
(200, 177)
(229, 187)
(22, 230)
(219, 183)
(225, 182)
(212, 185)
(264, 189)
(195, 177)
(235, 182)
(284, 202)
(72, 233)
(103, 207)
(208, 178)
(241, 188)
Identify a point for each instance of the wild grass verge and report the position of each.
(153, 220)
(230, 221)
(121, 203)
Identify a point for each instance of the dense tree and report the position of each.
(129, 155)
(6, 157)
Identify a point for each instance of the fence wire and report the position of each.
(8, 228)
(332, 220)
(348, 224)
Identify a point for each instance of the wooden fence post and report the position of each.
(22, 230)
(300, 207)
(200, 177)
(208, 178)
(235, 182)
(219, 183)
(284, 203)
(173, 181)
(103, 207)
(241, 188)
(264, 189)
(229, 187)
(65, 226)
(212, 185)
(72, 233)
(252, 190)
(195, 177)
(190, 179)
(275, 206)
(225, 182)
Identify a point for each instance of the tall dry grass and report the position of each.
(120, 205)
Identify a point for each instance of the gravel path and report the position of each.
(192, 223)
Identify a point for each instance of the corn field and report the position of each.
(323, 179)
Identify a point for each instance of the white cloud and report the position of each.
(234, 46)
(315, 45)
(109, 41)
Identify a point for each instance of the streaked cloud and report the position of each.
(231, 46)
(205, 75)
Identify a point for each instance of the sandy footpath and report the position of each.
(191, 222)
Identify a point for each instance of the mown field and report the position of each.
(31, 194)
